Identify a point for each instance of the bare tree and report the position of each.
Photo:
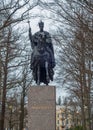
(25, 84)
(12, 12)
(15, 11)
(74, 36)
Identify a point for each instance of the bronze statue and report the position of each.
(42, 57)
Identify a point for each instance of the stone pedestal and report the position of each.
(42, 108)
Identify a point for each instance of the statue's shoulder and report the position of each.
(47, 33)
(37, 33)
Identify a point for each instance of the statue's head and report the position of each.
(41, 25)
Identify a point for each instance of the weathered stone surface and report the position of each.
(41, 108)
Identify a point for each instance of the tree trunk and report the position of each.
(3, 101)
(21, 125)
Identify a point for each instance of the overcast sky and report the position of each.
(48, 26)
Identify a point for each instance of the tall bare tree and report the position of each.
(74, 36)
(11, 13)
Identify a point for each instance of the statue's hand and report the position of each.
(28, 22)
(53, 64)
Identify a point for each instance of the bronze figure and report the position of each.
(42, 57)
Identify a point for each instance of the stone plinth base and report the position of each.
(41, 108)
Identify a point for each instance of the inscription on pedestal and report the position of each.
(41, 108)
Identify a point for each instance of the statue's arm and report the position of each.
(30, 36)
(49, 41)
(50, 45)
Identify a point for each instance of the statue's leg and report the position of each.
(38, 75)
(47, 74)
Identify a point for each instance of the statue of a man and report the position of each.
(42, 41)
